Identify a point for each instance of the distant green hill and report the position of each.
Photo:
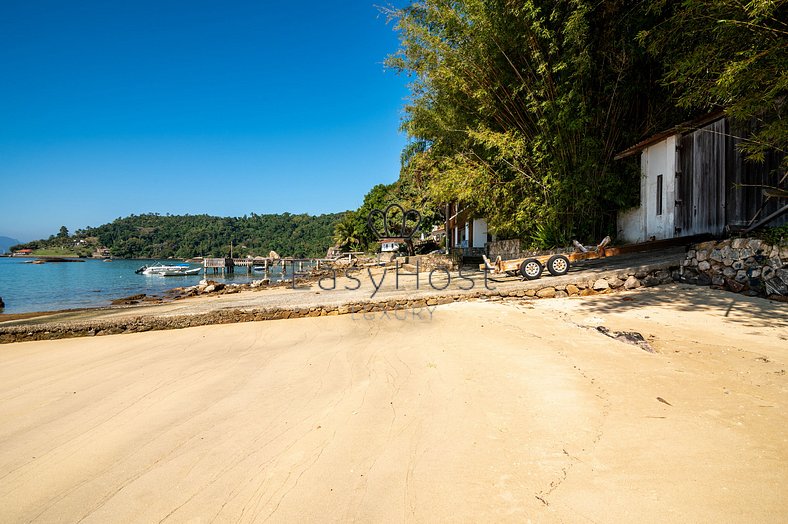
(186, 236)
(6, 242)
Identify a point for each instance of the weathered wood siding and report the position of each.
(700, 201)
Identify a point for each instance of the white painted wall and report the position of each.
(479, 232)
(643, 223)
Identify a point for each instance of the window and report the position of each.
(659, 194)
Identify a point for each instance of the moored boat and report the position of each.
(168, 271)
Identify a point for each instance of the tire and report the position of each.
(531, 269)
(558, 265)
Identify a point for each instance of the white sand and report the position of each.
(484, 412)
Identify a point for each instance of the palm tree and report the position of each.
(345, 233)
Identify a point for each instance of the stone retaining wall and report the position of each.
(742, 265)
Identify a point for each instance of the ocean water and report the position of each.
(26, 287)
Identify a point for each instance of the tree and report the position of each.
(346, 234)
(63, 233)
(518, 108)
(731, 54)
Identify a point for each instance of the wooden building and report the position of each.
(694, 180)
(464, 231)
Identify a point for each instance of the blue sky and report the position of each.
(225, 108)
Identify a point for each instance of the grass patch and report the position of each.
(55, 252)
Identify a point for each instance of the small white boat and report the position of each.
(169, 271)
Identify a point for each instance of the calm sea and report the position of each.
(26, 287)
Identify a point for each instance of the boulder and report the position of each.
(733, 285)
(601, 285)
(704, 266)
(702, 255)
(650, 280)
(631, 283)
(547, 292)
(615, 282)
(738, 243)
(572, 289)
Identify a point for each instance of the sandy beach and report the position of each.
(475, 411)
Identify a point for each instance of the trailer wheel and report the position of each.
(558, 265)
(531, 269)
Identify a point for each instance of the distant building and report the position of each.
(389, 245)
(23, 252)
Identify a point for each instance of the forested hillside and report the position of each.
(185, 236)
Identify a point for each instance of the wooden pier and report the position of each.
(228, 265)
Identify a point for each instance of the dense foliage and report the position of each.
(731, 54)
(157, 236)
(517, 109)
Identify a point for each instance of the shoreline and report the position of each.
(280, 301)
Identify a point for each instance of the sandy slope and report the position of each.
(478, 412)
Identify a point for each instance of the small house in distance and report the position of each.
(694, 180)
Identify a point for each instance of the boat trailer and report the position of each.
(531, 268)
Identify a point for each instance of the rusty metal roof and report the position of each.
(690, 125)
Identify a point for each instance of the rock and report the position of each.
(209, 289)
(733, 285)
(729, 272)
(572, 289)
(778, 298)
(631, 283)
(2, 304)
(727, 261)
(718, 281)
(547, 292)
(738, 243)
(704, 280)
(737, 265)
(615, 282)
(782, 274)
(702, 255)
(767, 272)
(691, 254)
(741, 276)
(755, 244)
(601, 285)
(704, 266)
(640, 274)
(755, 273)
(132, 299)
(650, 281)
(561, 294)
(716, 255)
(587, 292)
(530, 292)
(675, 276)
